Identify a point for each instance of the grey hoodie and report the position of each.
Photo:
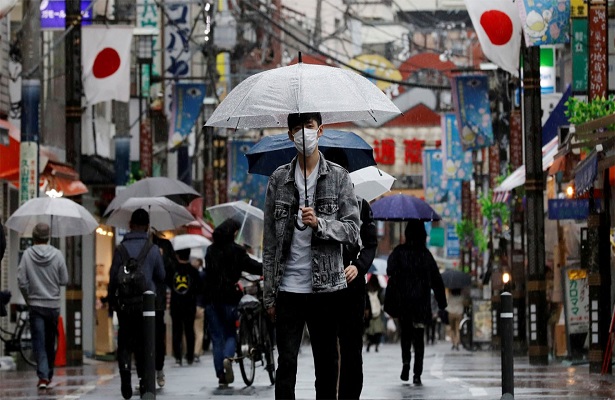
(42, 270)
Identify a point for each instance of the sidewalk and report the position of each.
(447, 374)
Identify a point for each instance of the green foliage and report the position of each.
(580, 111)
(471, 235)
(132, 178)
(494, 211)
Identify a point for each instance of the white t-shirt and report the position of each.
(298, 273)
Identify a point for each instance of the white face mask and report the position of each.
(311, 141)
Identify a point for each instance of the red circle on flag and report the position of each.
(106, 63)
(497, 25)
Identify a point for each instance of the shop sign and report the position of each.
(597, 52)
(53, 14)
(452, 242)
(569, 208)
(576, 290)
(580, 56)
(28, 171)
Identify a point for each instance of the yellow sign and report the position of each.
(578, 8)
(377, 66)
(576, 274)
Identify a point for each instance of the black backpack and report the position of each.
(131, 280)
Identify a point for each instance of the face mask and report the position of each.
(311, 140)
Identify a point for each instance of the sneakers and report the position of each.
(42, 384)
(405, 373)
(197, 359)
(417, 380)
(228, 370)
(126, 385)
(160, 378)
(222, 382)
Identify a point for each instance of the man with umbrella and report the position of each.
(310, 210)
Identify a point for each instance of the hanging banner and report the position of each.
(452, 242)
(243, 185)
(177, 28)
(580, 54)
(146, 147)
(434, 182)
(545, 22)
(516, 140)
(471, 100)
(457, 163)
(148, 16)
(449, 204)
(28, 171)
(576, 292)
(185, 109)
(598, 67)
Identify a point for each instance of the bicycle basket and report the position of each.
(248, 304)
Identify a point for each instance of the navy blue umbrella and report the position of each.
(402, 207)
(276, 150)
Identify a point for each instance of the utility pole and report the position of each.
(74, 292)
(317, 24)
(31, 98)
(536, 285)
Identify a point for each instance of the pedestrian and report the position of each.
(136, 246)
(357, 261)
(455, 307)
(184, 282)
(302, 255)
(199, 317)
(168, 259)
(432, 325)
(413, 273)
(373, 313)
(224, 262)
(41, 272)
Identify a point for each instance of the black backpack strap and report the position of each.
(123, 253)
(144, 252)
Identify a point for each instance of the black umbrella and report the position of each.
(454, 279)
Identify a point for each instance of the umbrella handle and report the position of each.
(301, 228)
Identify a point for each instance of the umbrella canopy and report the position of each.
(454, 279)
(164, 214)
(371, 182)
(189, 241)
(251, 219)
(275, 150)
(402, 207)
(264, 100)
(378, 267)
(64, 217)
(172, 189)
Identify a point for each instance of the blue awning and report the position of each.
(556, 119)
(585, 173)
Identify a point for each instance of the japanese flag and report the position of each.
(106, 63)
(498, 26)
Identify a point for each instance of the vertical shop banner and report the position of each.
(471, 100)
(434, 182)
(516, 140)
(28, 171)
(576, 292)
(494, 165)
(457, 163)
(146, 147)
(177, 27)
(243, 185)
(122, 159)
(597, 52)
(185, 109)
(466, 200)
(545, 22)
(580, 54)
(449, 204)
(148, 16)
(452, 242)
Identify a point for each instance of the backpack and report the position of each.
(130, 280)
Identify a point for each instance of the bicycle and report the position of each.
(255, 332)
(20, 338)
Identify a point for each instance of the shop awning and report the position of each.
(556, 119)
(585, 173)
(517, 178)
(63, 178)
(9, 161)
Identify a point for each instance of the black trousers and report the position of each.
(183, 323)
(130, 341)
(350, 337)
(411, 336)
(161, 340)
(320, 311)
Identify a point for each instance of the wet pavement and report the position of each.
(447, 374)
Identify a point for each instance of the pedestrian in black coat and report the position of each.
(413, 273)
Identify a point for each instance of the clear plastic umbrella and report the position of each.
(189, 241)
(371, 182)
(64, 217)
(251, 219)
(164, 214)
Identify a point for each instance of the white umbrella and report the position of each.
(189, 241)
(265, 99)
(164, 214)
(172, 189)
(371, 182)
(64, 217)
(251, 219)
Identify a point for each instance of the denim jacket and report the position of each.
(338, 220)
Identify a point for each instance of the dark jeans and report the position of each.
(183, 323)
(430, 331)
(221, 319)
(320, 312)
(44, 329)
(350, 337)
(412, 336)
(161, 340)
(130, 340)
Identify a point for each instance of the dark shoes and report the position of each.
(405, 373)
(228, 370)
(42, 384)
(417, 380)
(126, 385)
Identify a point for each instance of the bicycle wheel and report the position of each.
(465, 333)
(245, 350)
(25, 343)
(268, 348)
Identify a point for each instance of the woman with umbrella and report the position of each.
(413, 273)
(224, 262)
